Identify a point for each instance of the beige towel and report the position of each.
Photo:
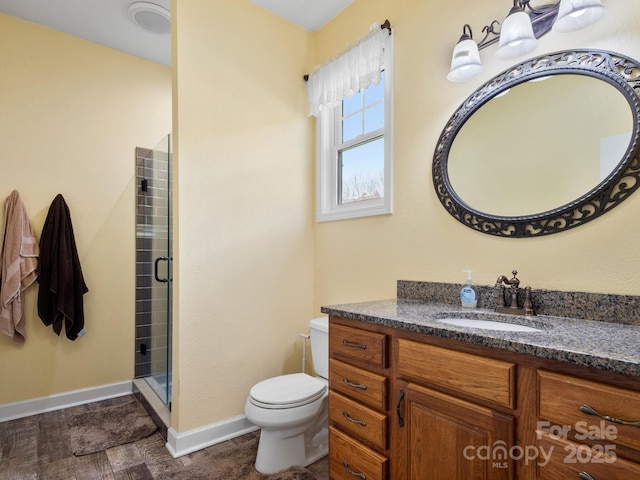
(18, 262)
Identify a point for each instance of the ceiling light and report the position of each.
(150, 17)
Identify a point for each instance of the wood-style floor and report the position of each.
(38, 448)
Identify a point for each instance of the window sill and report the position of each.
(345, 212)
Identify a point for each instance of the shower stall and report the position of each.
(154, 268)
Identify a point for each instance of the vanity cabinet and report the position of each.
(358, 404)
(412, 406)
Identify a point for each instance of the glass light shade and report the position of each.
(576, 14)
(465, 63)
(516, 35)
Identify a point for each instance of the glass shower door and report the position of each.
(154, 268)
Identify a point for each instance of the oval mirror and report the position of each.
(545, 146)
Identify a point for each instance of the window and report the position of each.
(361, 146)
(354, 145)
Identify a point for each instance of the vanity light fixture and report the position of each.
(576, 14)
(520, 31)
(465, 63)
(516, 34)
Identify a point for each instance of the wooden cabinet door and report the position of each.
(562, 397)
(566, 459)
(360, 345)
(465, 373)
(357, 420)
(351, 460)
(450, 439)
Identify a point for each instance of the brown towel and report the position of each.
(59, 273)
(18, 262)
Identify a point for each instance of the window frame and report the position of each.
(328, 135)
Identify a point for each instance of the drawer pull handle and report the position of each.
(398, 411)
(354, 385)
(585, 476)
(347, 343)
(348, 417)
(592, 411)
(345, 464)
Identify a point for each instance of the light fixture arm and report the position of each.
(465, 35)
(489, 30)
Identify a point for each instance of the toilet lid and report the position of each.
(287, 391)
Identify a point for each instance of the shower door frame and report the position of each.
(154, 268)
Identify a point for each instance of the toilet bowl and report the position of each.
(292, 411)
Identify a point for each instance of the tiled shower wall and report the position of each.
(152, 210)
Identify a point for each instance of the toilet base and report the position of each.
(278, 450)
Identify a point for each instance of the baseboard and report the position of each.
(11, 411)
(183, 443)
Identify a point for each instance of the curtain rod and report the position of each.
(385, 25)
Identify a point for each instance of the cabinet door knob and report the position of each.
(592, 411)
(347, 343)
(354, 385)
(352, 420)
(398, 410)
(585, 476)
(345, 464)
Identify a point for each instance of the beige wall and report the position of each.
(71, 115)
(244, 202)
(362, 259)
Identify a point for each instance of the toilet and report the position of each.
(292, 411)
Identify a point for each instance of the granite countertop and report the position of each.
(607, 346)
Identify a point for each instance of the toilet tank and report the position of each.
(319, 332)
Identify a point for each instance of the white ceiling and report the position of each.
(309, 14)
(106, 22)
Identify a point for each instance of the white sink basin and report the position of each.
(488, 325)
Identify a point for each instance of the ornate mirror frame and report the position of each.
(620, 71)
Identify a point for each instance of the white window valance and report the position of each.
(356, 68)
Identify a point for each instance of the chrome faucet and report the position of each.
(514, 290)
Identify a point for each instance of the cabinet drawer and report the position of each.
(481, 377)
(358, 420)
(361, 385)
(348, 458)
(562, 395)
(353, 343)
(567, 460)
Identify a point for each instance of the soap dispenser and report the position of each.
(469, 293)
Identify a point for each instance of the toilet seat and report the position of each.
(287, 391)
